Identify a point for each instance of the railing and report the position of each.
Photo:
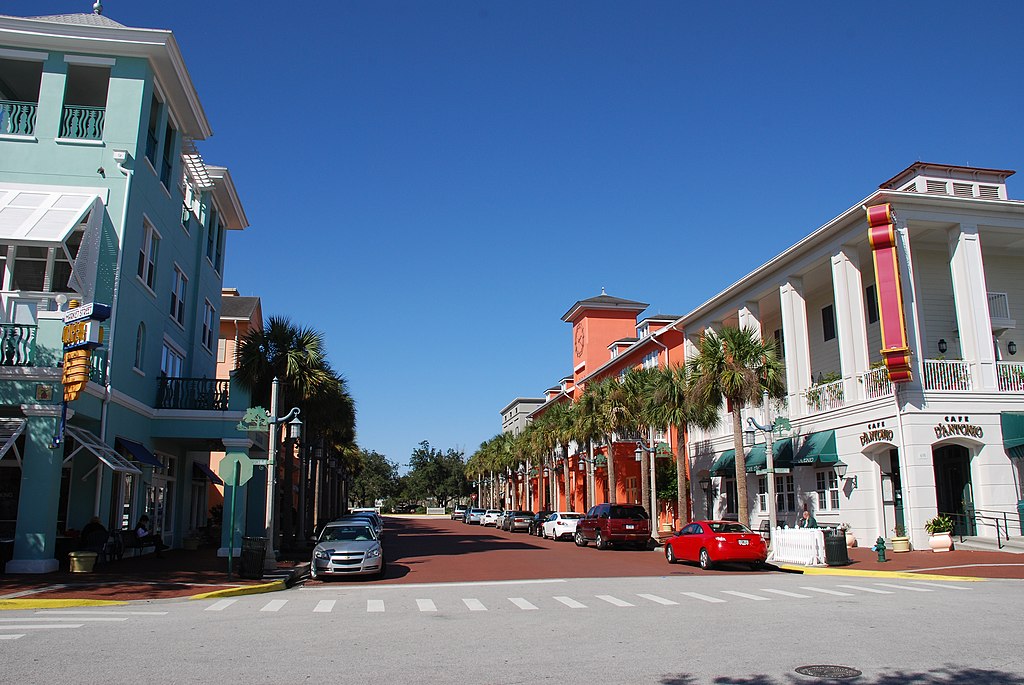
(209, 394)
(98, 367)
(83, 123)
(1010, 376)
(966, 525)
(17, 118)
(941, 374)
(17, 344)
(998, 306)
(876, 383)
(825, 397)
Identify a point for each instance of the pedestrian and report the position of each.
(146, 536)
(94, 536)
(806, 520)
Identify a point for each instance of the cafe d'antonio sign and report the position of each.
(958, 425)
(876, 432)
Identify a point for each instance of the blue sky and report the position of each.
(433, 184)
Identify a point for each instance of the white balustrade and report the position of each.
(876, 383)
(1011, 376)
(825, 397)
(947, 374)
(805, 546)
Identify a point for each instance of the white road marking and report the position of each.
(522, 603)
(274, 605)
(411, 586)
(904, 587)
(474, 604)
(570, 602)
(426, 605)
(659, 600)
(36, 626)
(744, 595)
(944, 586)
(866, 589)
(374, 606)
(54, 612)
(59, 618)
(221, 604)
(614, 601)
(12, 637)
(324, 606)
(703, 598)
(786, 593)
(827, 592)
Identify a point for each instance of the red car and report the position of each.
(712, 542)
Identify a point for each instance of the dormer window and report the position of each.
(643, 330)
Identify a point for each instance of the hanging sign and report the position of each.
(882, 237)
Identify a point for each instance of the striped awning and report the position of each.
(104, 452)
(40, 215)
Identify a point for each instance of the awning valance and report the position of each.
(104, 452)
(10, 429)
(139, 452)
(1012, 423)
(818, 449)
(206, 471)
(34, 215)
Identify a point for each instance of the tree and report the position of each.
(637, 395)
(603, 413)
(375, 478)
(437, 475)
(736, 366)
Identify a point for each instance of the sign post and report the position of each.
(235, 470)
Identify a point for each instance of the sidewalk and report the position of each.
(959, 563)
(180, 573)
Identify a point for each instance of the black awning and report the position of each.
(206, 472)
(139, 452)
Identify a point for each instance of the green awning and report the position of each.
(1012, 423)
(725, 464)
(782, 456)
(819, 449)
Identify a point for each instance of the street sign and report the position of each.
(227, 470)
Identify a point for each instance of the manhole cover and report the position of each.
(826, 671)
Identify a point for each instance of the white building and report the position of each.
(950, 440)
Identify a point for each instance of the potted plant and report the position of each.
(940, 529)
(900, 541)
(851, 539)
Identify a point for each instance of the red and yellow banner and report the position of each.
(895, 348)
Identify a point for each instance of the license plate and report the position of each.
(744, 542)
(630, 526)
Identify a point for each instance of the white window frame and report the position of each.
(209, 315)
(650, 360)
(785, 493)
(762, 494)
(148, 254)
(826, 483)
(172, 358)
(179, 291)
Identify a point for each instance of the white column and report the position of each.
(970, 296)
(796, 342)
(750, 317)
(850, 320)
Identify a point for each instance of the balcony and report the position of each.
(825, 396)
(82, 123)
(203, 394)
(17, 344)
(17, 118)
(999, 312)
(1010, 376)
(876, 383)
(942, 374)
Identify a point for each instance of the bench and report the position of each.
(131, 541)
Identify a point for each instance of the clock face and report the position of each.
(580, 339)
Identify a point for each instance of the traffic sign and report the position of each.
(227, 470)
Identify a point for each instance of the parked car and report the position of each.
(560, 525)
(347, 548)
(712, 542)
(490, 517)
(614, 524)
(475, 515)
(500, 521)
(518, 520)
(537, 523)
(458, 512)
(376, 521)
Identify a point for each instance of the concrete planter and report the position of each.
(851, 539)
(82, 562)
(940, 542)
(901, 544)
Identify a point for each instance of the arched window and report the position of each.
(140, 346)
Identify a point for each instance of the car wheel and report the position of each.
(705, 560)
(383, 570)
(579, 539)
(599, 541)
(312, 571)
(670, 556)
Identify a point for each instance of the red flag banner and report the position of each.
(882, 237)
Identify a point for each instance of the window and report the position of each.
(729, 485)
(222, 350)
(151, 130)
(19, 96)
(871, 304)
(762, 493)
(651, 360)
(828, 489)
(171, 362)
(632, 491)
(140, 346)
(211, 234)
(643, 331)
(780, 347)
(147, 256)
(178, 296)
(167, 161)
(218, 262)
(85, 100)
(785, 494)
(209, 316)
(828, 322)
(29, 268)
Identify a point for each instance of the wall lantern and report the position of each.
(1011, 347)
(943, 346)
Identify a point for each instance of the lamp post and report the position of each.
(769, 464)
(294, 427)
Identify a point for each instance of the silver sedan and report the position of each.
(347, 548)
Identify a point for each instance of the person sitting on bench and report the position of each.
(147, 537)
(94, 536)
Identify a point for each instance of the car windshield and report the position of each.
(728, 528)
(523, 513)
(634, 513)
(570, 516)
(493, 511)
(476, 511)
(343, 533)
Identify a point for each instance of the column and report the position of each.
(970, 296)
(750, 317)
(796, 342)
(851, 327)
(36, 530)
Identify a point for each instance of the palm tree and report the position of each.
(558, 421)
(604, 412)
(735, 365)
(638, 387)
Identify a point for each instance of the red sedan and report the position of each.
(711, 542)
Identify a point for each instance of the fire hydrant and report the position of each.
(880, 548)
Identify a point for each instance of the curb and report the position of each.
(10, 604)
(818, 571)
(243, 590)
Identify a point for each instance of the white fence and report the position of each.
(436, 511)
(804, 546)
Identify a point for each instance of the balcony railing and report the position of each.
(942, 374)
(1010, 376)
(83, 123)
(998, 305)
(98, 367)
(17, 118)
(17, 344)
(825, 397)
(876, 383)
(209, 394)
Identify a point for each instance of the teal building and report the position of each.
(105, 199)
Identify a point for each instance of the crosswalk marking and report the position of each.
(374, 606)
(522, 603)
(866, 589)
(703, 598)
(12, 637)
(658, 600)
(426, 605)
(786, 593)
(59, 618)
(570, 602)
(824, 591)
(36, 626)
(221, 604)
(745, 595)
(941, 585)
(274, 605)
(904, 587)
(474, 604)
(615, 601)
(324, 606)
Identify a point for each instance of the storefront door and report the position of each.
(953, 490)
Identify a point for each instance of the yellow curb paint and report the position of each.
(244, 590)
(8, 604)
(815, 571)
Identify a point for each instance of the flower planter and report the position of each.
(901, 544)
(82, 562)
(940, 542)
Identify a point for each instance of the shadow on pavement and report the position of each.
(948, 675)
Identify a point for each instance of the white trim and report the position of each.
(102, 451)
(24, 55)
(16, 138)
(582, 365)
(90, 61)
(84, 142)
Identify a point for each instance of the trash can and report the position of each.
(835, 549)
(254, 552)
(82, 562)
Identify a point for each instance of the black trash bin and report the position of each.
(835, 549)
(254, 552)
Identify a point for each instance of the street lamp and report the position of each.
(706, 486)
(769, 465)
(294, 428)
